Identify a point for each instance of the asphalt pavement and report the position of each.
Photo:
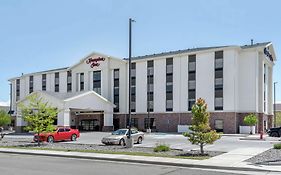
(178, 141)
(14, 164)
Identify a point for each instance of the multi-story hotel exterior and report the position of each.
(93, 94)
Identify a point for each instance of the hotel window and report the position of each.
(31, 84)
(116, 89)
(57, 82)
(264, 87)
(81, 81)
(44, 82)
(97, 81)
(17, 89)
(134, 123)
(150, 79)
(219, 125)
(133, 87)
(169, 84)
(69, 81)
(191, 81)
(151, 122)
(219, 80)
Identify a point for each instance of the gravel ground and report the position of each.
(272, 156)
(114, 148)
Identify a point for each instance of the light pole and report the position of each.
(129, 143)
(148, 101)
(274, 106)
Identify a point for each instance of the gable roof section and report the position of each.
(93, 53)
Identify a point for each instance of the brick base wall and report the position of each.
(168, 122)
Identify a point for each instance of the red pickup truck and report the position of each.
(60, 134)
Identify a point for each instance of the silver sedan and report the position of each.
(119, 137)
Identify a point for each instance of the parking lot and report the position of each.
(176, 141)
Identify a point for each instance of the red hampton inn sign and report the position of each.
(94, 61)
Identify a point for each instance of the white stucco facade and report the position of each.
(245, 87)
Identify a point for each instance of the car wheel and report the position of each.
(122, 142)
(274, 134)
(73, 137)
(139, 140)
(50, 139)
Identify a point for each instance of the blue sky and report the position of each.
(38, 35)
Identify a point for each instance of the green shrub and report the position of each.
(161, 148)
(277, 146)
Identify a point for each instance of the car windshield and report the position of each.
(119, 132)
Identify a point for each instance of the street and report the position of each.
(12, 164)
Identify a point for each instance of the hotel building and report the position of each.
(92, 95)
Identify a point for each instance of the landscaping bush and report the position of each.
(277, 146)
(161, 148)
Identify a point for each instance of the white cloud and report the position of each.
(4, 103)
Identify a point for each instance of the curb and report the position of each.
(137, 161)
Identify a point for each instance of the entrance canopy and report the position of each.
(86, 101)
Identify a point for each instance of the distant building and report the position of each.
(278, 107)
(93, 93)
(5, 108)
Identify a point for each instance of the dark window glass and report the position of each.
(44, 82)
(134, 122)
(81, 81)
(219, 93)
(169, 78)
(97, 75)
(17, 89)
(57, 81)
(191, 94)
(133, 81)
(116, 89)
(116, 83)
(133, 90)
(150, 63)
(30, 84)
(133, 65)
(219, 74)
(169, 61)
(191, 58)
(169, 96)
(149, 122)
(169, 84)
(69, 81)
(190, 104)
(219, 80)
(150, 81)
(218, 54)
(191, 76)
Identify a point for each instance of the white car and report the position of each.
(119, 137)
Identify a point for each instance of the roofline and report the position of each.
(198, 50)
(87, 93)
(40, 72)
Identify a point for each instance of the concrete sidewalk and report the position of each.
(233, 160)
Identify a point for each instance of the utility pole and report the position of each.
(130, 142)
(274, 106)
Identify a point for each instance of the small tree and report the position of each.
(5, 119)
(201, 133)
(39, 115)
(251, 120)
